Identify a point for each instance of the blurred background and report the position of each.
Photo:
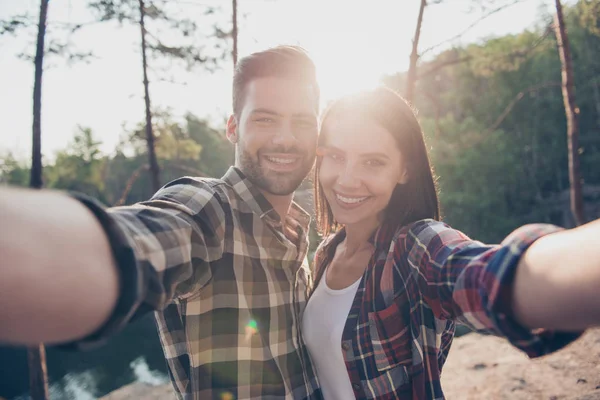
(114, 98)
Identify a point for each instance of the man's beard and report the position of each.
(277, 183)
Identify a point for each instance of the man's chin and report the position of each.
(281, 190)
(282, 186)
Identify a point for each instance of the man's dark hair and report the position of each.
(292, 62)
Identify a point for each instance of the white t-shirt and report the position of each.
(322, 326)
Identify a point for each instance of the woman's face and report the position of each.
(360, 167)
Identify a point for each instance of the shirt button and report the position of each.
(356, 386)
(345, 346)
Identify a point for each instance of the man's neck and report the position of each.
(281, 204)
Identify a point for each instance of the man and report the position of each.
(222, 261)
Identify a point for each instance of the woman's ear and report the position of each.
(232, 131)
(403, 176)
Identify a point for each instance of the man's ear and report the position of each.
(232, 131)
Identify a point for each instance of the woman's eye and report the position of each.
(336, 157)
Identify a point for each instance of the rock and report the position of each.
(570, 374)
(564, 375)
(142, 391)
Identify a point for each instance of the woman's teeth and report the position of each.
(350, 200)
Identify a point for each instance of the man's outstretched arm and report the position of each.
(73, 271)
(58, 278)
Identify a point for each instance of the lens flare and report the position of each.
(251, 329)
(227, 396)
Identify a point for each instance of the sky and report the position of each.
(353, 43)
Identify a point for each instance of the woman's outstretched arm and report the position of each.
(557, 281)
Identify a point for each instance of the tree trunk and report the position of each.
(411, 78)
(36, 356)
(38, 381)
(234, 34)
(572, 114)
(154, 170)
(36, 148)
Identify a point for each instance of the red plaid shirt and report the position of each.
(421, 280)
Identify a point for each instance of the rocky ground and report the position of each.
(486, 367)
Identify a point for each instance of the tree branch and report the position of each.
(134, 177)
(520, 52)
(483, 17)
(443, 64)
(516, 99)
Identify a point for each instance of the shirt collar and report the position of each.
(383, 235)
(257, 202)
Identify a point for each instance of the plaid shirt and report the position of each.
(228, 286)
(422, 279)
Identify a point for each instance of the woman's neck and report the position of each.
(357, 236)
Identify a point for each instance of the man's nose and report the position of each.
(284, 136)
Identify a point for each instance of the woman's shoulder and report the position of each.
(427, 232)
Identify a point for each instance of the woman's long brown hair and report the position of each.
(415, 200)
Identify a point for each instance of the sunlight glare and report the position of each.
(340, 77)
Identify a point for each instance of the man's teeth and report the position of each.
(281, 160)
(350, 200)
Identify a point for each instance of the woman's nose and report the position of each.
(348, 178)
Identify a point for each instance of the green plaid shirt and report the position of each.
(228, 286)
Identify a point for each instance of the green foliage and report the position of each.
(190, 147)
(166, 25)
(12, 171)
(492, 112)
(495, 121)
(80, 167)
(588, 13)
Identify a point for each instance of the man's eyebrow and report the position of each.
(265, 111)
(304, 116)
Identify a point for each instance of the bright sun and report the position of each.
(339, 78)
(351, 42)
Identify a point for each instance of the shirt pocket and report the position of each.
(391, 338)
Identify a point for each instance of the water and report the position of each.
(133, 355)
(84, 386)
(143, 374)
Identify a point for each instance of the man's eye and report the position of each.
(265, 120)
(374, 163)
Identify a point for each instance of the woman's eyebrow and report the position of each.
(375, 154)
(331, 148)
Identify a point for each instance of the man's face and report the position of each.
(276, 134)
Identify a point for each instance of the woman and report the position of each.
(392, 280)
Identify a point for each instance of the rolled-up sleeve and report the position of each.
(468, 281)
(163, 249)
